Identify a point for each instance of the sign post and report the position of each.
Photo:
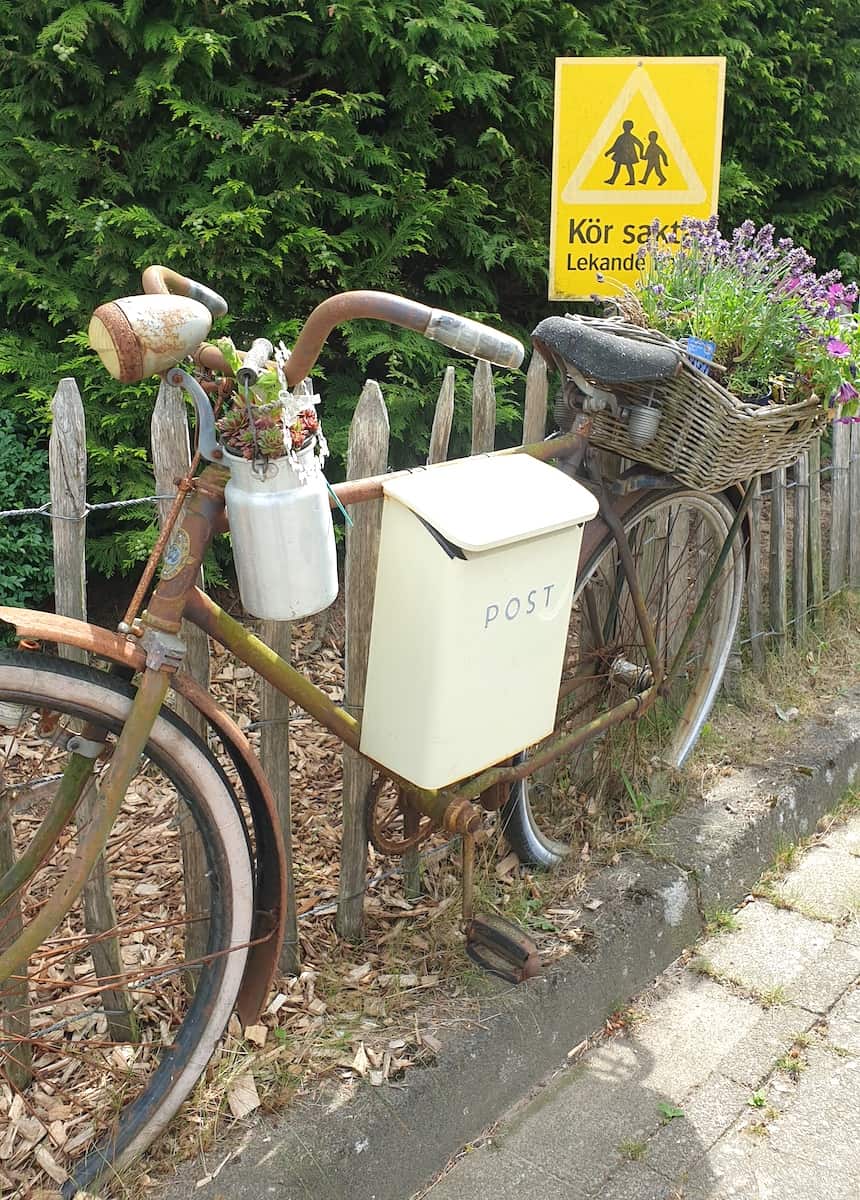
(636, 140)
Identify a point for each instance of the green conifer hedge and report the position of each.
(284, 152)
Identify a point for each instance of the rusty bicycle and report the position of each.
(127, 1005)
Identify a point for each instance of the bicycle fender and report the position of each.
(596, 531)
(271, 866)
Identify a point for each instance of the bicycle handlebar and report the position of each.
(161, 281)
(145, 335)
(459, 333)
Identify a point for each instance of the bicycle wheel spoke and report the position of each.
(95, 1013)
(674, 540)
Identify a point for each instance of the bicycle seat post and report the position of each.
(577, 437)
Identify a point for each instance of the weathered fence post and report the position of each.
(535, 405)
(854, 508)
(442, 420)
(754, 580)
(800, 547)
(171, 457)
(778, 559)
(839, 506)
(438, 452)
(275, 757)
(367, 454)
(816, 556)
(67, 457)
(483, 409)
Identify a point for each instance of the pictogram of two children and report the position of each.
(627, 150)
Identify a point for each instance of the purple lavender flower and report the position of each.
(764, 238)
(743, 233)
(761, 298)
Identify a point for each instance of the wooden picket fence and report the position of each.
(805, 548)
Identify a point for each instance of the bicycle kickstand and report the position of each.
(492, 943)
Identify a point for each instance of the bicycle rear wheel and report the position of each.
(108, 1026)
(675, 539)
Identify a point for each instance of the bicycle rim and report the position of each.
(110, 1025)
(674, 539)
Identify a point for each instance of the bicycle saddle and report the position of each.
(598, 354)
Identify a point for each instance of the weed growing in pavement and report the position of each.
(771, 997)
(793, 1062)
(703, 966)
(786, 857)
(720, 920)
(848, 806)
(766, 890)
(839, 1051)
(668, 1112)
(633, 1151)
(757, 1128)
(622, 1020)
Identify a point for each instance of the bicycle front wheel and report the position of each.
(107, 1026)
(675, 539)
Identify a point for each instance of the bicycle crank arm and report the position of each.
(503, 949)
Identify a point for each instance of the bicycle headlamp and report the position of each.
(138, 336)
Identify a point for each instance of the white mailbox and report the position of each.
(477, 565)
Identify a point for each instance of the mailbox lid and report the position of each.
(488, 501)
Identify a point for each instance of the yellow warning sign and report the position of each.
(636, 140)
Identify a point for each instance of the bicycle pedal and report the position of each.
(503, 949)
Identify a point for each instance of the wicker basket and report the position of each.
(706, 437)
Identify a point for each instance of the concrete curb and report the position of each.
(386, 1143)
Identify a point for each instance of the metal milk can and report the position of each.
(282, 532)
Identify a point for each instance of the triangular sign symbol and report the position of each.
(639, 82)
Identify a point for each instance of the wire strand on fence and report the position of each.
(44, 510)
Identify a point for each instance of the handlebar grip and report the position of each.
(473, 338)
(161, 280)
(254, 362)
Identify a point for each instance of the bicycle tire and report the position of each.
(526, 829)
(175, 1027)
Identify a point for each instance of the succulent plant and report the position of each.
(259, 425)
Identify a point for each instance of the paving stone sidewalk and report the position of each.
(737, 1076)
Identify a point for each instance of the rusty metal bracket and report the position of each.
(164, 651)
(208, 445)
(86, 747)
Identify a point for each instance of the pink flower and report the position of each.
(837, 348)
(841, 296)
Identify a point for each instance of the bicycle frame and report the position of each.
(177, 596)
(156, 647)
